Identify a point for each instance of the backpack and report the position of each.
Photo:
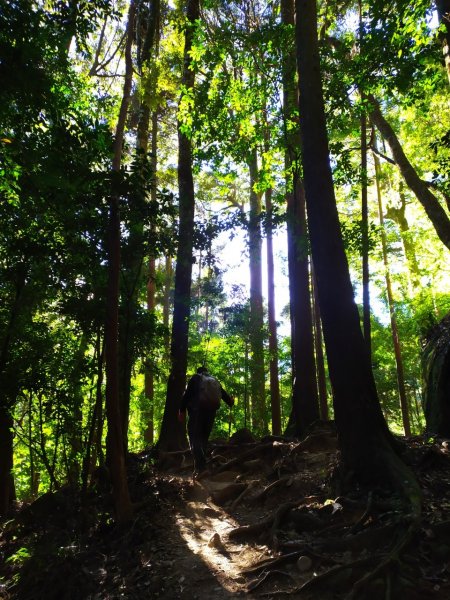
(210, 392)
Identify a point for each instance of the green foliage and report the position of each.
(56, 146)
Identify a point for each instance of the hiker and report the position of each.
(201, 399)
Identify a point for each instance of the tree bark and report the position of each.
(305, 408)
(173, 433)
(151, 294)
(257, 382)
(430, 203)
(115, 438)
(7, 494)
(365, 441)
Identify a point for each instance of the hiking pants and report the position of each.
(200, 424)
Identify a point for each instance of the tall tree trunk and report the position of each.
(7, 488)
(89, 459)
(257, 382)
(430, 203)
(7, 494)
(365, 441)
(173, 433)
(305, 409)
(273, 340)
(74, 422)
(151, 293)
(394, 328)
(115, 437)
(443, 10)
(146, 21)
(365, 238)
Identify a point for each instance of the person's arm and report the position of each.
(226, 397)
(189, 393)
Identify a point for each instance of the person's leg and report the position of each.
(207, 422)
(195, 440)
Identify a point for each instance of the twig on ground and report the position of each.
(251, 485)
(257, 582)
(357, 526)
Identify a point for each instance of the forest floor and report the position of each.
(265, 521)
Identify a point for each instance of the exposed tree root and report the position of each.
(258, 449)
(392, 558)
(273, 562)
(270, 487)
(322, 441)
(272, 521)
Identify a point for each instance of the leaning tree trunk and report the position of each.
(428, 200)
(305, 409)
(257, 383)
(115, 438)
(173, 434)
(364, 439)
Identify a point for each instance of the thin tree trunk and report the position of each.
(430, 203)
(273, 340)
(394, 328)
(173, 433)
(257, 382)
(365, 238)
(168, 282)
(151, 293)
(305, 409)
(115, 438)
(320, 359)
(89, 456)
(74, 421)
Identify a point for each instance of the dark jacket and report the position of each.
(191, 394)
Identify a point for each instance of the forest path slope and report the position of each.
(266, 520)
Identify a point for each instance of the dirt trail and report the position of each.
(264, 522)
(205, 527)
(246, 484)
